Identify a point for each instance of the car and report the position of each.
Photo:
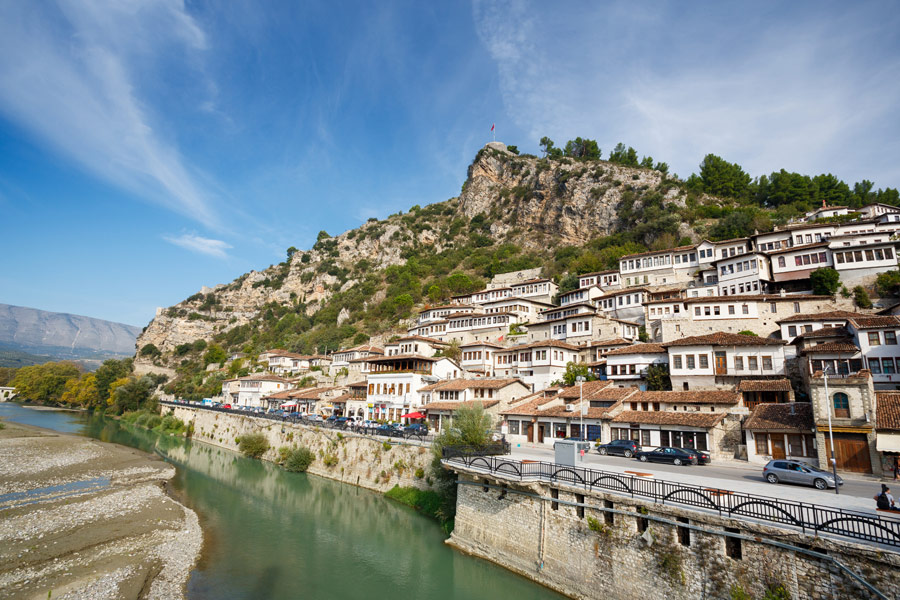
(676, 456)
(341, 422)
(416, 429)
(368, 423)
(385, 429)
(330, 420)
(626, 448)
(793, 471)
(227, 406)
(315, 419)
(702, 457)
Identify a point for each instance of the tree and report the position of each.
(108, 372)
(747, 332)
(825, 281)
(46, 382)
(82, 391)
(722, 178)
(132, 394)
(582, 148)
(624, 156)
(574, 370)
(643, 336)
(470, 426)
(662, 167)
(658, 378)
(150, 350)
(453, 351)
(546, 145)
(215, 354)
(513, 149)
(323, 235)
(888, 283)
(861, 297)
(435, 294)
(291, 252)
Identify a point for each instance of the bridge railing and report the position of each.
(809, 518)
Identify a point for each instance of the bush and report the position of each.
(888, 283)
(825, 281)
(253, 445)
(861, 297)
(298, 460)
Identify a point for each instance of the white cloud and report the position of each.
(778, 87)
(71, 76)
(201, 245)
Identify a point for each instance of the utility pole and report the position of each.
(580, 380)
(828, 407)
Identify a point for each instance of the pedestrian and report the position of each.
(884, 500)
(896, 467)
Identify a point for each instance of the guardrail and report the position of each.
(809, 518)
(296, 420)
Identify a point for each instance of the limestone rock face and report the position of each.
(532, 202)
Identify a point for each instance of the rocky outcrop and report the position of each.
(535, 203)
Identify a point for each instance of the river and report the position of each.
(273, 534)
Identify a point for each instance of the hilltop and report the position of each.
(563, 213)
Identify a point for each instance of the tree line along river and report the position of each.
(273, 534)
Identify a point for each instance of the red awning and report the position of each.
(413, 415)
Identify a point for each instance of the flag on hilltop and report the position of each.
(492, 128)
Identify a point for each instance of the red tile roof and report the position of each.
(721, 338)
(764, 385)
(689, 419)
(875, 322)
(589, 389)
(471, 384)
(887, 410)
(846, 347)
(452, 406)
(834, 315)
(542, 344)
(791, 416)
(638, 349)
(689, 397)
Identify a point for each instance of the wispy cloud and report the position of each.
(770, 86)
(199, 244)
(70, 74)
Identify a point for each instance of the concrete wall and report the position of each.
(558, 549)
(361, 460)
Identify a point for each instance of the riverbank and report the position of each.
(86, 519)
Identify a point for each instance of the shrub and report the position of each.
(329, 460)
(825, 281)
(253, 445)
(420, 473)
(386, 446)
(861, 297)
(298, 460)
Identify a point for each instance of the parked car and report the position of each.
(368, 423)
(387, 430)
(676, 456)
(315, 419)
(416, 429)
(702, 457)
(626, 448)
(792, 471)
(331, 419)
(341, 422)
(227, 406)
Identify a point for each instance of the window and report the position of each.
(767, 363)
(887, 365)
(773, 307)
(781, 261)
(739, 363)
(697, 311)
(676, 362)
(875, 366)
(704, 361)
(841, 405)
(890, 338)
(690, 361)
(795, 444)
(752, 363)
(514, 428)
(731, 309)
(792, 330)
(874, 339)
(745, 310)
(796, 307)
(762, 444)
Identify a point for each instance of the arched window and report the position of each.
(841, 405)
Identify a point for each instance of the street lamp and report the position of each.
(828, 407)
(580, 380)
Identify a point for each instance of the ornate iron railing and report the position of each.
(808, 518)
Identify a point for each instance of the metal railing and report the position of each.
(289, 418)
(809, 518)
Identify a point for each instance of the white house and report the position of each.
(743, 274)
(394, 382)
(253, 388)
(720, 360)
(628, 366)
(538, 364)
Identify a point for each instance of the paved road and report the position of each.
(856, 493)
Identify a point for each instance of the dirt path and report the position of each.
(81, 518)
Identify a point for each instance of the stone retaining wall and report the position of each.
(626, 556)
(360, 460)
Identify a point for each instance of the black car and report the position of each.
(626, 448)
(702, 457)
(385, 430)
(416, 429)
(676, 456)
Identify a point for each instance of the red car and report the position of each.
(227, 406)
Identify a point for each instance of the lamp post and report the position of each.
(828, 407)
(580, 380)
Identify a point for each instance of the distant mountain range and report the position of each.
(54, 336)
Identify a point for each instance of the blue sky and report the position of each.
(149, 147)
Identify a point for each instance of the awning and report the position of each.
(291, 403)
(887, 442)
(413, 415)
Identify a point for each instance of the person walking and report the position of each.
(884, 500)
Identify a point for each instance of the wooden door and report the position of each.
(777, 446)
(721, 364)
(529, 432)
(540, 433)
(851, 451)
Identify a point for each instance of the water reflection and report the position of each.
(274, 534)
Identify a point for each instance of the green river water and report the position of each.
(273, 534)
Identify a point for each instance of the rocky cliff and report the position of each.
(535, 204)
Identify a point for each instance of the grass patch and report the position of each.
(428, 502)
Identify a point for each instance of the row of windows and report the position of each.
(448, 395)
(742, 288)
(482, 322)
(475, 355)
(747, 265)
(882, 366)
(857, 255)
(622, 369)
(708, 311)
(389, 389)
(805, 259)
(676, 309)
(796, 444)
(696, 440)
(702, 360)
(890, 338)
(645, 406)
